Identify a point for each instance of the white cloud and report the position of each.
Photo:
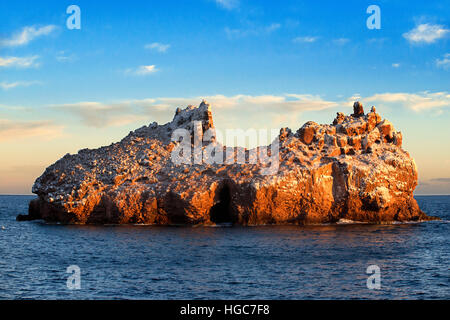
(426, 33)
(444, 62)
(414, 101)
(228, 4)
(307, 39)
(19, 62)
(251, 31)
(396, 65)
(11, 85)
(160, 47)
(26, 35)
(142, 70)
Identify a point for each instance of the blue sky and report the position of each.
(133, 62)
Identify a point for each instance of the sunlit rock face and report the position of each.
(354, 169)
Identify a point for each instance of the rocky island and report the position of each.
(351, 170)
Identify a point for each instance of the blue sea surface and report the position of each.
(272, 262)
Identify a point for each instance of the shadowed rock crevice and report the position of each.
(221, 212)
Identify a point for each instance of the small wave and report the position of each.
(221, 225)
(348, 221)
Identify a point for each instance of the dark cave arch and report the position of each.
(221, 212)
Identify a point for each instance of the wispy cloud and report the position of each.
(160, 47)
(26, 35)
(19, 62)
(442, 180)
(251, 31)
(306, 39)
(414, 101)
(99, 114)
(240, 110)
(228, 4)
(426, 33)
(11, 130)
(11, 85)
(377, 41)
(341, 41)
(444, 62)
(396, 65)
(63, 56)
(142, 70)
(272, 27)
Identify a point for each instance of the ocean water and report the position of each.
(289, 262)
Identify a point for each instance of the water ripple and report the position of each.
(289, 262)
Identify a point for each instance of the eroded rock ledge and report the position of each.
(353, 169)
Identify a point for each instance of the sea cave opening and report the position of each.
(221, 212)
